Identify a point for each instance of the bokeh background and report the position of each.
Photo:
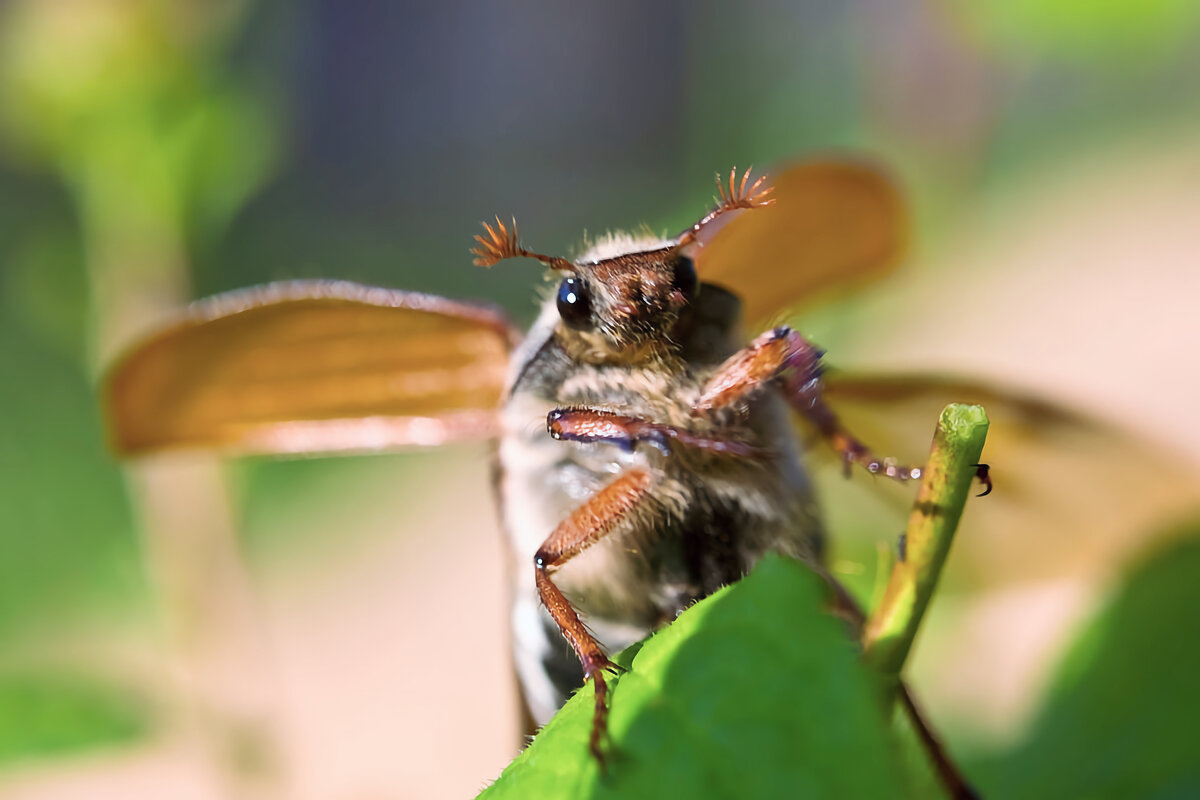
(335, 628)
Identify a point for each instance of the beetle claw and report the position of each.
(981, 472)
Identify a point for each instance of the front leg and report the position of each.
(783, 356)
(587, 425)
(586, 525)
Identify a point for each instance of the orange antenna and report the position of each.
(735, 196)
(501, 243)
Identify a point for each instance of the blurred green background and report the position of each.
(155, 151)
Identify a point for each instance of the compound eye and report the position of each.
(574, 305)
(684, 277)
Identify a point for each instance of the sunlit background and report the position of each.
(336, 628)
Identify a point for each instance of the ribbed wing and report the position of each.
(312, 366)
(834, 224)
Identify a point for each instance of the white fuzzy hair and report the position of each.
(619, 243)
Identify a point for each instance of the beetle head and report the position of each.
(625, 307)
(621, 302)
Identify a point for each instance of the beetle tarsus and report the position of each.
(982, 472)
(599, 719)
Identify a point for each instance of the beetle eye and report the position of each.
(684, 277)
(574, 306)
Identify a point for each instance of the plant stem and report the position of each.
(945, 486)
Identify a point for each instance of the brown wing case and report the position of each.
(312, 366)
(833, 224)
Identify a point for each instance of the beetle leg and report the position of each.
(586, 525)
(983, 473)
(595, 425)
(782, 355)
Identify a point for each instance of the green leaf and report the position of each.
(753, 692)
(68, 552)
(1121, 717)
(46, 714)
(1094, 32)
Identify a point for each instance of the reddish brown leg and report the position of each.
(594, 425)
(585, 526)
(783, 355)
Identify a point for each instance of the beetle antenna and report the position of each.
(734, 196)
(501, 242)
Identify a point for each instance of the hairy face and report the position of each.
(622, 302)
(624, 309)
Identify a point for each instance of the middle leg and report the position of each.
(783, 356)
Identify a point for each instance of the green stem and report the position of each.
(945, 486)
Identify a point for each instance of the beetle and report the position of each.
(630, 413)
(682, 446)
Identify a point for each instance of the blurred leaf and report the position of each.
(141, 118)
(1121, 718)
(753, 692)
(1094, 31)
(66, 536)
(43, 285)
(47, 714)
(224, 152)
